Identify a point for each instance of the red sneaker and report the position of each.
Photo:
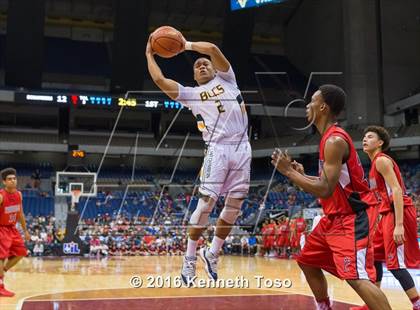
(6, 293)
(364, 307)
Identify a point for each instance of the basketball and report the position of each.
(167, 41)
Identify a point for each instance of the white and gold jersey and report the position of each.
(219, 109)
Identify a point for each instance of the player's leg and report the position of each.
(11, 262)
(5, 244)
(379, 251)
(374, 298)
(379, 273)
(350, 241)
(224, 226)
(314, 257)
(212, 176)
(407, 283)
(236, 184)
(17, 249)
(316, 281)
(396, 254)
(198, 223)
(379, 257)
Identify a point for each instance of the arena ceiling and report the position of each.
(197, 15)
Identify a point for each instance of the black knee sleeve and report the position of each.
(404, 277)
(379, 271)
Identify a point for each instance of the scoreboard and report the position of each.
(90, 100)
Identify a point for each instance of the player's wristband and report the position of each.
(188, 46)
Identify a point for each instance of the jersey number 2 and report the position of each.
(220, 106)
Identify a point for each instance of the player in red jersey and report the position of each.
(284, 237)
(267, 234)
(277, 236)
(395, 240)
(300, 230)
(341, 242)
(293, 238)
(12, 247)
(264, 237)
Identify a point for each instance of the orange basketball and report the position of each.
(167, 41)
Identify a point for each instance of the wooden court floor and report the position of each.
(249, 283)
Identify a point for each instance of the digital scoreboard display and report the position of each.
(245, 4)
(89, 100)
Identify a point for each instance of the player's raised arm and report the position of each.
(168, 86)
(219, 60)
(335, 151)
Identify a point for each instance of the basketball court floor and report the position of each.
(249, 283)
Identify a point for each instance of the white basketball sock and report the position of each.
(191, 248)
(216, 245)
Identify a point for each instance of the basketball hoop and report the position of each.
(75, 195)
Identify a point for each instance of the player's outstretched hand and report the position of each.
(282, 161)
(399, 234)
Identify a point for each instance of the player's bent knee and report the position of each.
(308, 268)
(200, 217)
(404, 277)
(355, 284)
(231, 210)
(358, 284)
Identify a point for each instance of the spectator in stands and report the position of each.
(38, 248)
(36, 179)
(244, 245)
(236, 245)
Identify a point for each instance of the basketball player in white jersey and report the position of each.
(221, 116)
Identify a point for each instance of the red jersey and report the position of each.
(264, 230)
(10, 208)
(285, 228)
(300, 225)
(383, 191)
(270, 230)
(352, 193)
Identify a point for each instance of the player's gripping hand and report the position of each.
(282, 161)
(149, 50)
(399, 234)
(298, 167)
